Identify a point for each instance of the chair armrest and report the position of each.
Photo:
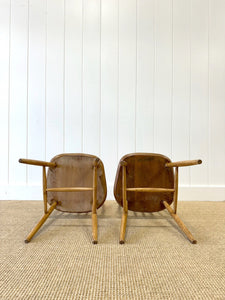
(184, 163)
(36, 162)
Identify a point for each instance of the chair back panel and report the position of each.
(145, 170)
(76, 170)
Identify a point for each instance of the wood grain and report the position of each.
(180, 223)
(36, 162)
(147, 172)
(71, 182)
(184, 163)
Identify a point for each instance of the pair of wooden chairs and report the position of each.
(76, 183)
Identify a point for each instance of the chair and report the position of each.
(75, 183)
(146, 182)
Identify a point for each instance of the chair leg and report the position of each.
(94, 228)
(40, 223)
(125, 206)
(123, 227)
(94, 206)
(180, 223)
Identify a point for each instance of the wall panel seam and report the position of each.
(28, 58)
(46, 59)
(190, 91)
(82, 82)
(154, 73)
(136, 78)
(209, 98)
(100, 77)
(118, 80)
(172, 85)
(9, 82)
(64, 74)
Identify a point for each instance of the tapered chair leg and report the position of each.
(94, 228)
(123, 228)
(125, 205)
(40, 223)
(94, 206)
(180, 223)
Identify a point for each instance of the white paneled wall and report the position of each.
(109, 77)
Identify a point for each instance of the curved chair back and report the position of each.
(145, 170)
(75, 183)
(146, 182)
(76, 170)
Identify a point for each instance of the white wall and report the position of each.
(111, 77)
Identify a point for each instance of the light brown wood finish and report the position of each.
(75, 182)
(123, 228)
(94, 206)
(94, 228)
(180, 223)
(41, 222)
(184, 163)
(36, 162)
(45, 190)
(70, 189)
(175, 195)
(125, 205)
(76, 171)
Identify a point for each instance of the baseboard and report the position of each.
(186, 193)
(202, 193)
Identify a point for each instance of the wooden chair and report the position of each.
(75, 183)
(146, 182)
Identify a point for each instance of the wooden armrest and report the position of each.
(184, 163)
(36, 162)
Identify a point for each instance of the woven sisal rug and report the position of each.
(156, 262)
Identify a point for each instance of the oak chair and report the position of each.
(146, 182)
(74, 183)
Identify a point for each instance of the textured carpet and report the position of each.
(156, 262)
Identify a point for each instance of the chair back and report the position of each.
(76, 170)
(145, 170)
